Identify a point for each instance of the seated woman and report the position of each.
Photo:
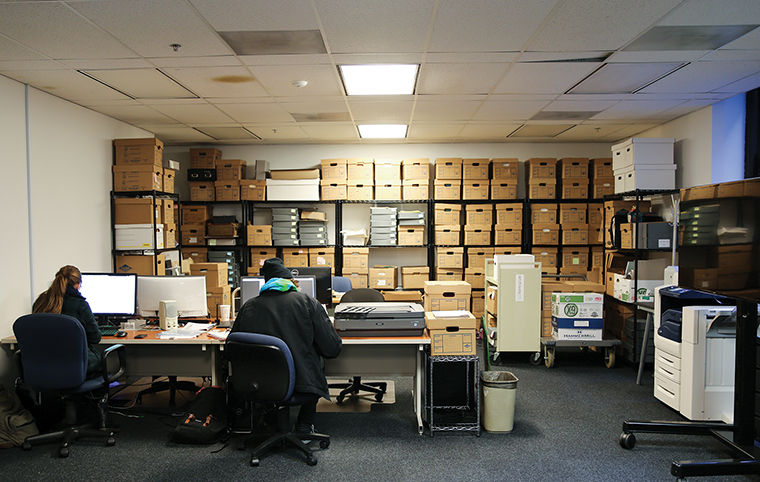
(63, 297)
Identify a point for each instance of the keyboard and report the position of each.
(108, 330)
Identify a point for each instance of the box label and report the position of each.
(520, 288)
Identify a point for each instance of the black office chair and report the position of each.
(53, 358)
(355, 385)
(262, 372)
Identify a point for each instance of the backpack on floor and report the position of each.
(205, 421)
(16, 422)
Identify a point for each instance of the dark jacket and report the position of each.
(301, 322)
(75, 305)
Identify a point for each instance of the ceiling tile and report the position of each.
(637, 109)
(66, 84)
(541, 130)
(330, 131)
(487, 131)
(544, 78)
(278, 80)
(471, 57)
(591, 133)
(315, 107)
(508, 110)
(133, 114)
(442, 131)
(653, 56)
(191, 113)
(10, 50)
(256, 112)
(748, 41)
(141, 83)
(704, 76)
(685, 37)
(277, 132)
(433, 111)
(686, 108)
(725, 54)
(179, 134)
(591, 56)
(292, 59)
(479, 25)
(103, 64)
(564, 105)
(230, 15)
(744, 85)
(363, 26)
(381, 111)
(623, 78)
(54, 30)
(585, 25)
(218, 82)
(11, 65)
(630, 130)
(724, 12)
(149, 27)
(227, 133)
(211, 61)
(477, 78)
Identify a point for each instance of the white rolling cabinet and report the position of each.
(515, 286)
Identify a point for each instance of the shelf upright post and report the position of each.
(338, 237)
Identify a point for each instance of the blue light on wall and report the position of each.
(728, 119)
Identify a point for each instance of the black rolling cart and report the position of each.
(452, 395)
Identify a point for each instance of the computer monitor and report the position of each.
(250, 286)
(188, 291)
(323, 276)
(110, 294)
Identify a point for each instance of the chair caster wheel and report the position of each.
(379, 397)
(324, 444)
(254, 462)
(339, 399)
(311, 460)
(110, 442)
(627, 440)
(63, 452)
(27, 446)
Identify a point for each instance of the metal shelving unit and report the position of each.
(452, 408)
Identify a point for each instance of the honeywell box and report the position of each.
(414, 277)
(138, 151)
(141, 265)
(383, 277)
(215, 273)
(447, 295)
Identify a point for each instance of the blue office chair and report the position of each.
(355, 385)
(53, 358)
(262, 372)
(341, 284)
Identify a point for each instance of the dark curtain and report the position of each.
(752, 135)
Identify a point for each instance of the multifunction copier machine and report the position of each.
(379, 319)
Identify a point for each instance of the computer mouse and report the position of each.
(121, 334)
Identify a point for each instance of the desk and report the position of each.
(384, 357)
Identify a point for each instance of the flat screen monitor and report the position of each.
(188, 291)
(110, 294)
(323, 276)
(250, 286)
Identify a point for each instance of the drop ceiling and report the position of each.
(227, 71)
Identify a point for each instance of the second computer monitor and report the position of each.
(189, 292)
(323, 276)
(250, 286)
(110, 294)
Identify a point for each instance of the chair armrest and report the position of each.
(113, 350)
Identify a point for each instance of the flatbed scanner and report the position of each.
(379, 319)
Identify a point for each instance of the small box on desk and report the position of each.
(215, 273)
(215, 296)
(447, 295)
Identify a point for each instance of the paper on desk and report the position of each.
(190, 330)
(219, 334)
(451, 314)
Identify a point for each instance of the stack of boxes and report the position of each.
(356, 266)
(448, 224)
(509, 224)
(383, 227)
(545, 227)
(504, 172)
(360, 185)
(542, 178)
(293, 185)
(202, 173)
(602, 178)
(411, 228)
(193, 229)
(448, 179)
(644, 163)
(312, 228)
(451, 333)
(334, 178)
(138, 166)
(573, 221)
(388, 179)
(475, 183)
(550, 287)
(416, 179)
(478, 225)
(575, 175)
(446, 296)
(217, 284)
(285, 226)
(229, 173)
(449, 264)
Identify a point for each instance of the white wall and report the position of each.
(693, 148)
(60, 214)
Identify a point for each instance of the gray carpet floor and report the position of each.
(567, 423)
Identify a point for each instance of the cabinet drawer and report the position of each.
(667, 372)
(667, 360)
(667, 391)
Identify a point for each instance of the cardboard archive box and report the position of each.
(194, 214)
(447, 234)
(230, 169)
(388, 191)
(295, 257)
(259, 235)
(447, 189)
(253, 189)
(361, 171)
(259, 255)
(572, 213)
(541, 168)
(322, 257)
(449, 274)
(503, 189)
(383, 277)
(476, 277)
(197, 254)
(450, 257)
(215, 273)
(575, 189)
(415, 189)
(204, 158)
(475, 169)
(202, 191)
(451, 333)
(416, 169)
(359, 192)
(477, 234)
(414, 277)
(478, 303)
(575, 257)
(476, 257)
(447, 214)
(602, 187)
(543, 213)
(215, 296)
(193, 234)
(333, 190)
(147, 151)
(448, 168)
(138, 211)
(546, 234)
(546, 256)
(478, 214)
(359, 277)
(575, 234)
(411, 235)
(227, 190)
(574, 168)
(475, 189)
(509, 213)
(507, 234)
(447, 295)
(492, 299)
(601, 168)
(355, 258)
(388, 171)
(505, 168)
(150, 265)
(334, 170)
(138, 177)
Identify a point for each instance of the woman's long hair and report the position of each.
(51, 301)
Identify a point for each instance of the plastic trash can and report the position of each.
(499, 390)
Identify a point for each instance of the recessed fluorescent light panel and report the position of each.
(379, 79)
(382, 131)
(688, 37)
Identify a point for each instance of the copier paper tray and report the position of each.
(379, 319)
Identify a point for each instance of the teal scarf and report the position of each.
(278, 284)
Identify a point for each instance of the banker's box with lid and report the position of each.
(447, 295)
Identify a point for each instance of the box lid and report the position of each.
(294, 174)
(201, 267)
(293, 182)
(415, 270)
(440, 320)
(333, 162)
(139, 142)
(448, 288)
(119, 168)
